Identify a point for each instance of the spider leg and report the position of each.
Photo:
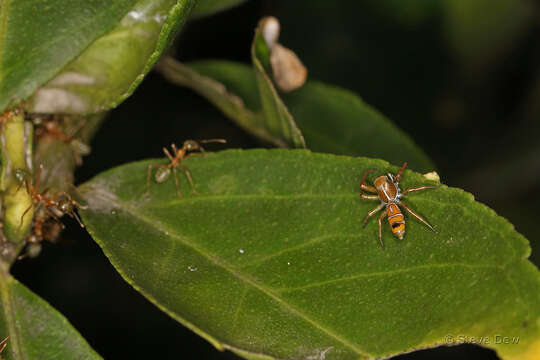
(380, 229)
(418, 189)
(369, 197)
(371, 213)
(188, 176)
(418, 217)
(364, 186)
(398, 176)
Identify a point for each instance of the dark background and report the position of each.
(471, 101)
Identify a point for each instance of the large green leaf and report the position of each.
(210, 7)
(38, 38)
(271, 258)
(332, 120)
(35, 329)
(108, 71)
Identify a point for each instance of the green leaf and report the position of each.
(37, 39)
(271, 258)
(210, 7)
(108, 71)
(230, 104)
(35, 329)
(332, 120)
(277, 118)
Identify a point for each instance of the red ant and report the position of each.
(50, 125)
(56, 207)
(163, 172)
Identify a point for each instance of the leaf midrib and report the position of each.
(244, 278)
(512, 258)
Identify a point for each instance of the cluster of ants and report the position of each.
(48, 209)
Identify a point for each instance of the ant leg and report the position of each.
(202, 153)
(418, 189)
(176, 182)
(3, 344)
(24, 213)
(371, 213)
(188, 176)
(398, 176)
(74, 215)
(418, 217)
(53, 215)
(380, 229)
(168, 154)
(364, 186)
(38, 177)
(369, 197)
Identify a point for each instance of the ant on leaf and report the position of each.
(163, 172)
(56, 206)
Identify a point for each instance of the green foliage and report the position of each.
(36, 330)
(332, 120)
(95, 66)
(210, 7)
(480, 31)
(108, 71)
(38, 40)
(271, 258)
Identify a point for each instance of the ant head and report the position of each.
(65, 204)
(21, 175)
(191, 145)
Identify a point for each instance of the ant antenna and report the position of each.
(223, 141)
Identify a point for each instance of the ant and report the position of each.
(54, 126)
(163, 172)
(388, 192)
(56, 206)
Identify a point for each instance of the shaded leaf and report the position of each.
(277, 118)
(109, 70)
(37, 40)
(35, 329)
(230, 104)
(271, 258)
(210, 7)
(332, 120)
